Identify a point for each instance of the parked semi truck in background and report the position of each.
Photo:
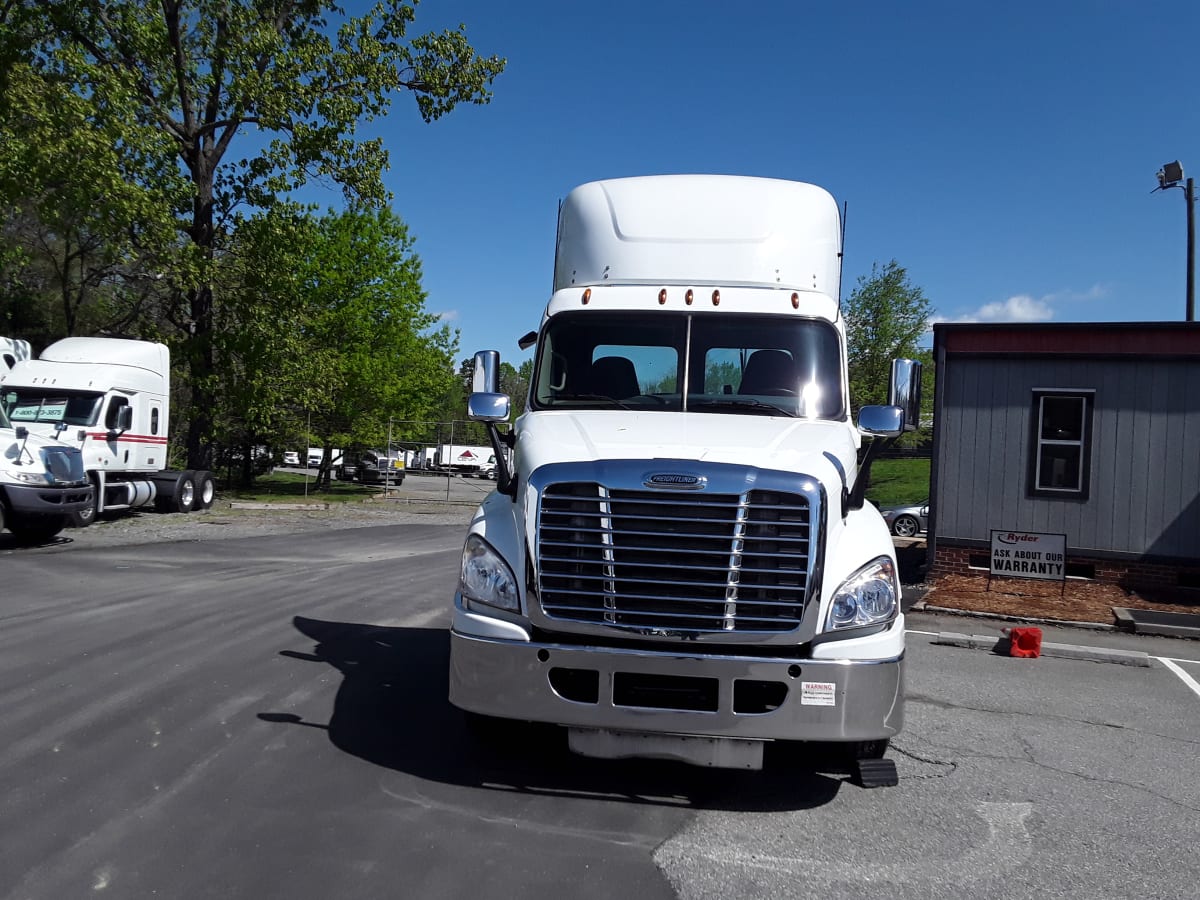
(678, 562)
(109, 398)
(460, 458)
(42, 483)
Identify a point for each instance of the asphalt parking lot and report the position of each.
(266, 716)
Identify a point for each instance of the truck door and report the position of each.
(110, 446)
(152, 443)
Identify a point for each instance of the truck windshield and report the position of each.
(68, 407)
(736, 364)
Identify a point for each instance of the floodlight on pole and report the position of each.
(1170, 176)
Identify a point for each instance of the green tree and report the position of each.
(262, 383)
(76, 225)
(886, 317)
(193, 75)
(372, 353)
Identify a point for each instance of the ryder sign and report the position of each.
(1028, 554)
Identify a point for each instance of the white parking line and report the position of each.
(926, 633)
(1183, 676)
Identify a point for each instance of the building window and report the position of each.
(1062, 442)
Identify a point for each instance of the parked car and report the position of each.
(379, 467)
(907, 521)
(291, 458)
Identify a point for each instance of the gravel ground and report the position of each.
(223, 522)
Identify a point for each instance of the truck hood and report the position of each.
(25, 455)
(815, 448)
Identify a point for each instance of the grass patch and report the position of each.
(293, 488)
(895, 482)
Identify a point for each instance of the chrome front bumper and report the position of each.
(753, 698)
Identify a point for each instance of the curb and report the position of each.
(1062, 651)
(238, 504)
(920, 606)
(1128, 620)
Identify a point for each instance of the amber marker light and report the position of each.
(716, 298)
(662, 296)
(689, 297)
(795, 300)
(587, 295)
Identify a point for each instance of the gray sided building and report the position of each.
(1087, 430)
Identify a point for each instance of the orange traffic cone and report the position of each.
(1025, 642)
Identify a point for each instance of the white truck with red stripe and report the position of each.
(109, 397)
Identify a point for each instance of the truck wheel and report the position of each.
(82, 518)
(36, 529)
(206, 490)
(183, 498)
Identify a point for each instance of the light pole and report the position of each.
(1170, 176)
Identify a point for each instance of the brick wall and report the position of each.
(950, 560)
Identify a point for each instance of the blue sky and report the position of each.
(1003, 153)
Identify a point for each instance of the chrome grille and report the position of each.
(675, 562)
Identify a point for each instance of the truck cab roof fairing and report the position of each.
(749, 231)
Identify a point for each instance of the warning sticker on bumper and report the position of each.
(818, 693)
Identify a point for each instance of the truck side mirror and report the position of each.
(487, 407)
(486, 403)
(486, 377)
(904, 391)
(124, 418)
(881, 421)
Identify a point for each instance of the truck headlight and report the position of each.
(486, 577)
(868, 597)
(33, 477)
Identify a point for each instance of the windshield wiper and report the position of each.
(612, 400)
(744, 403)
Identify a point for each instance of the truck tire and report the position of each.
(36, 529)
(206, 490)
(183, 497)
(82, 518)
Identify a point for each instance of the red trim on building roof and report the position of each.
(1083, 338)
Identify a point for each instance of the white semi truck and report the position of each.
(42, 483)
(110, 398)
(461, 458)
(678, 562)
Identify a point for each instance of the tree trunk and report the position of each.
(200, 301)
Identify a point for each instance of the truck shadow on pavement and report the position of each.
(391, 710)
(9, 542)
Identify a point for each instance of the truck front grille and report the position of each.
(676, 563)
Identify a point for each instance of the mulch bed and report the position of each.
(1075, 601)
